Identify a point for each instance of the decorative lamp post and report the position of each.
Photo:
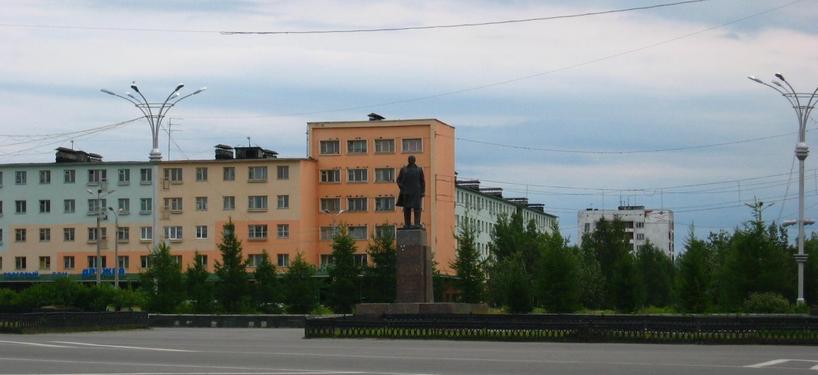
(803, 103)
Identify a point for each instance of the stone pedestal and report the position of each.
(413, 267)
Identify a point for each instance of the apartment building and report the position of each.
(641, 225)
(481, 207)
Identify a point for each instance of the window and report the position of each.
(325, 260)
(640, 224)
(359, 260)
(45, 206)
(283, 201)
(1, 208)
(384, 231)
(45, 234)
(357, 146)
(587, 227)
(20, 263)
(96, 206)
(283, 260)
(124, 261)
(145, 206)
(229, 203)
(257, 203)
(144, 261)
(177, 260)
(412, 145)
(328, 233)
(356, 204)
(330, 204)
(20, 177)
(254, 260)
(69, 206)
(384, 174)
(201, 232)
(283, 172)
(357, 175)
(1, 185)
(283, 230)
(123, 206)
(123, 234)
(92, 234)
(124, 176)
(201, 174)
(257, 174)
(95, 176)
(174, 175)
(358, 232)
(257, 232)
(173, 233)
(201, 259)
(330, 175)
(201, 203)
(92, 261)
(68, 262)
(173, 204)
(68, 234)
(229, 173)
(385, 204)
(145, 176)
(640, 236)
(20, 207)
(384, 146)
(69, 176)
(45, 263)
(20, 235)
(145, 233)
(330, 147)
(45, 177)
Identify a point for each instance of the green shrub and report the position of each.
(8, 301)
(767, 303)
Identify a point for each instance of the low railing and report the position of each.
(71, 321)
(709, 329)
(228, 321)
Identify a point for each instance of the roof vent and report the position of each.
(67, 155)
(224, 152)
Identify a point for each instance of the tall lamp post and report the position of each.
(116, 245)
(154, 112)
(100, 210)
(803, 104)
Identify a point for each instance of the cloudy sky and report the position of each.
(649, 107)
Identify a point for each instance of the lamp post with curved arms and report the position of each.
(154, 112)
(116, 245)
(803, 103)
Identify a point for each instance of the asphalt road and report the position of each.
(224, 351)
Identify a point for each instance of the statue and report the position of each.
(412, 189)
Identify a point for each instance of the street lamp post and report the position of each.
(116, 245)
(803, 104)
(99, 212)
(154, 112)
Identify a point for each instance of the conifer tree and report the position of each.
(381, 277)
(343, 274)
(233, 288)
(300, 287)
(162, 283)
(267, 289)
(468, 266)
(198, 289)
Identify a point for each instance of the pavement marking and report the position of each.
(285, 372)
(780, 361)
(124, 347)
(33, 344)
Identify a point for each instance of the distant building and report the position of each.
(641, 225)
(481, 207)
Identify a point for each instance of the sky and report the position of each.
(646, 107)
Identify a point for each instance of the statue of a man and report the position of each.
(412, 189)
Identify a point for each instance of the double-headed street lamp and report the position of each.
(154, 112)
(803, 104)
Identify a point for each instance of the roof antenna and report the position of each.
(248, 142)
(72, 144)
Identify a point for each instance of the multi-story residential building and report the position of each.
(641, 225)
(482, 207)
(358, 162)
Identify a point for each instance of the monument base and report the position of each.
(380, 309)
(413, 267)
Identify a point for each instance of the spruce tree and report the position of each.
(199, 291)
(300, 287)
(267, 289)
(694, 277)
(656, 270)
(557, 275)
(343, 274)
(380, 277)
(162, 283)
(468, 266)
(233, 288)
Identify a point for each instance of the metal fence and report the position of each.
(701, 329)
(71, 321)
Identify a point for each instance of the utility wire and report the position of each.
(461, 25)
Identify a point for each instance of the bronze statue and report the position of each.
(412, 189)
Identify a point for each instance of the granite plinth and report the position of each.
(380, 309)
(413, 267)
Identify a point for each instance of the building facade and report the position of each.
(482, 207)
(641, 225)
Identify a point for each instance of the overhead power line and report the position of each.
(461, 25)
